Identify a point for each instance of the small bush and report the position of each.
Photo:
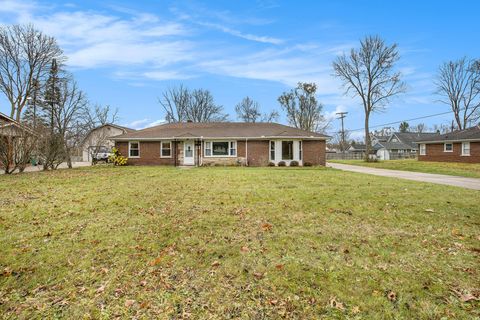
(282, 164)
(117, 159)
(293, 163)
(307, 164)
(271, 164)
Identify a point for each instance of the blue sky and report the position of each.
(126, 53)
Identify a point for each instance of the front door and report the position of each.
(188, 153)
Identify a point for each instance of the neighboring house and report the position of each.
(222, 143)
(8, 126)
(98, 139)
(456, 146)
(357, 148)
(399, 144)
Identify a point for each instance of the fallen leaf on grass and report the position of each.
(267, 227)
(429, 210)
(258, 275)
(100, 289)
(465, 296)
(392, 296)
(156, 261)
(334, 303)
(215, 264)
(129, 303)
(279, 266)
(355, 310)
(244, 249)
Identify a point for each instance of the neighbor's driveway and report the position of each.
(468, 183)
(61, 166)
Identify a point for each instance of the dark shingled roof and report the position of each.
(470, 134)
(409, 138)
(219, 130)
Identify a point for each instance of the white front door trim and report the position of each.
(189, 153)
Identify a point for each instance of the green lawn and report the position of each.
(219, 243)
(471, 170)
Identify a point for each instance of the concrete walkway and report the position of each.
(468, 183)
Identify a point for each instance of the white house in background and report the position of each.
(399, 145)
(98, 139)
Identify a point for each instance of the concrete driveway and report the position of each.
(468, 183)
(61, 166)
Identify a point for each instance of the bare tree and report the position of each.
(248, 110)
(421, 127)
(302, 108)
(202, 108)
(70, 116)
(341, 141)
(368, 72)
(175, 102)
(17, 143)
(180, 105)
(25, 54)
(458, 83)
(100, 115)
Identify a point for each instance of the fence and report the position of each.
(361, 156)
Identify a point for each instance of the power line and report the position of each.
(407, 120)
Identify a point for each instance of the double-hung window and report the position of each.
(272, 150)
(300, 150)
(448, 147)
(134, 149)
(165, 149)
(423, 149)
(220, 148)
(465, 148)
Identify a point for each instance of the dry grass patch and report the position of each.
(236, 243)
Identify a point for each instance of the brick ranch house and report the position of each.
(221, 143)
(456, 146)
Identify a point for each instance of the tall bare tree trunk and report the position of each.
(368, 143)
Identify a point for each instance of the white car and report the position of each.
(102, 154)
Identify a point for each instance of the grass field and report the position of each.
(471, 170)
(220, 243)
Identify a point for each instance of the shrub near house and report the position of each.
(222, 143)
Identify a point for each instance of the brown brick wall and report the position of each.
(314, 152)
(435, 153)
(257, 153)
(149, 153)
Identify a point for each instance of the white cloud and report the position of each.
(144, 123)
(246, 36)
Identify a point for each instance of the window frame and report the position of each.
(463, 148)
(300, 150)
(270, 150)
(423, 149)
(445, 147)
(161, 149)
(130, 149)
(232, 146)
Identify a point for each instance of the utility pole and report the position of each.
(342, 116)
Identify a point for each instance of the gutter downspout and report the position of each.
(176, 156)
(200, 151)
(246, 152)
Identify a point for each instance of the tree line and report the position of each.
(45, 97)
(53, 113)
